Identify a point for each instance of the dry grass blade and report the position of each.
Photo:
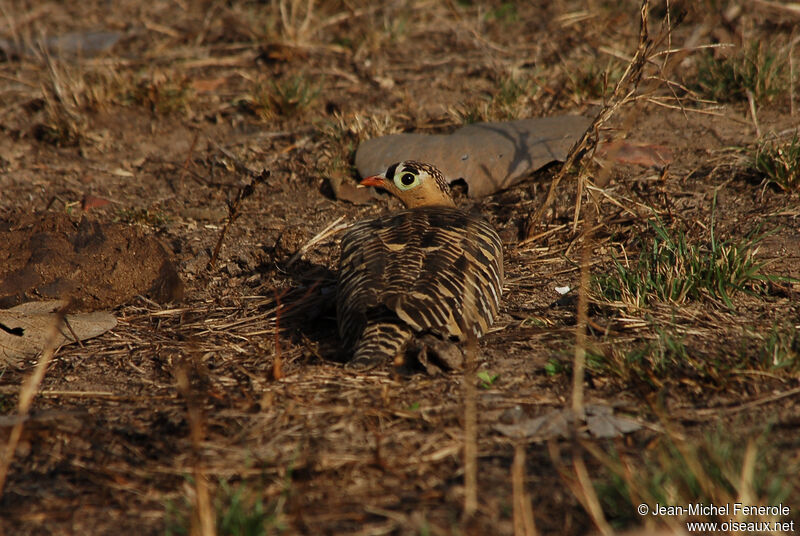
(470, 408)
(746, 492)
(330, 230)
(579, 362)
(752, 102)
(277, 363)
(787, 8)
(792, 83)
(26, 395)
(713, 413)
(203, 518)
(470, 429)
(632, 76)
(296, 30)
(524, 524)
(623, 93)
(203, 515)
(589, 497)
(580, 484)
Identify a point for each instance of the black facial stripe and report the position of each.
(391, 170)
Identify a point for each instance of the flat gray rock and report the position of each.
(488, 156)
(87, 44)
(27, 329)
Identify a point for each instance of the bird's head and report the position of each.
(416, 184)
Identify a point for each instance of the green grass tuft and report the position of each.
(241, 510)
(756, 68)
(162, 95)
(487, 379)
(506, 13)
(144, 217)
(672, 269)
(286, 98)
(658, 356)
(780, 347)
(716, 469)
(779, 163)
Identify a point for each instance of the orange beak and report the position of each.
(375, 180)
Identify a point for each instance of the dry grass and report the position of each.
(230, 412)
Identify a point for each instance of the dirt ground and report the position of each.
(233, 374)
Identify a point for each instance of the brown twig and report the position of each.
(233, 211)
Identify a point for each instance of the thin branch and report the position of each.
(234, 211)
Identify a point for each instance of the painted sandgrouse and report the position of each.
(431, 270)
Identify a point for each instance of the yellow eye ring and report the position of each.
(406, 181)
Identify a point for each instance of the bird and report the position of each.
(431, 272)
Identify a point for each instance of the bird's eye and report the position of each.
(406, 181)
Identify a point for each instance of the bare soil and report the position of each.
(169, 124)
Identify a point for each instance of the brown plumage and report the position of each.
(429, 269)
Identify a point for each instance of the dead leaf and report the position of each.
(25, 330)
(488, 156)
(603, 423)
(554, 423)
(89, 202)
(642, 154)
(600, 421)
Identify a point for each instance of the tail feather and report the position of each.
(380, 341)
